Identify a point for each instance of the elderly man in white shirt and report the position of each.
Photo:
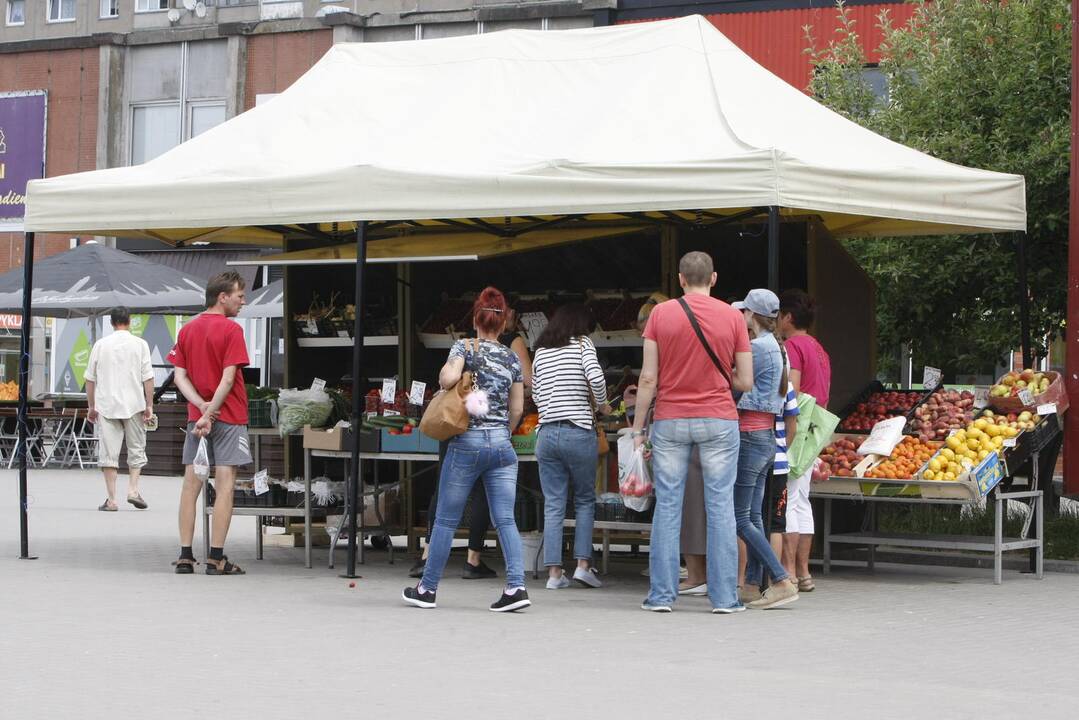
(120, 395)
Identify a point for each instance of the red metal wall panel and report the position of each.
(776, 39)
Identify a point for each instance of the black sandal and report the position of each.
(185, 566)
(223, 567)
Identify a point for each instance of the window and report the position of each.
(877, 82)
(61, 10)
(203, 117)
(110, 8)
(176, 91)
(16, 12)
(151, 5)
(154, 129)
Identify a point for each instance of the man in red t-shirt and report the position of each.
(208, 356)
(690, 376)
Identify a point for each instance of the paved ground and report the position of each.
(99, 627)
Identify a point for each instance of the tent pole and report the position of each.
(24, 390)
(355, 504)
(1071, 328)
(773, 248)
(1024, 300)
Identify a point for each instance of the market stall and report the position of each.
(946, 447)
(683, 132)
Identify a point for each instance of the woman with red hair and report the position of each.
(483, 452)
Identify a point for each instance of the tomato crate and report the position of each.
(525, 444)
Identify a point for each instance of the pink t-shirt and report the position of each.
(690, 386)
(809, 357)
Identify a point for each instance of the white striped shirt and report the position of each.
(790, 407)
(560, 382)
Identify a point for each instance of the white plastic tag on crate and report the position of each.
(389, 390)
(342, 333)
(416, 392)
(261, 487)
(981, 396)
(1009, 442)
(390, 413)
(1047, 409)
(1026, 397)
(930, 377)
(312, 327)
(318, 384)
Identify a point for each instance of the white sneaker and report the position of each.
(587, 577)
(696, 590)
(559, 583)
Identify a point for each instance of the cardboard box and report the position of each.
(337, 438)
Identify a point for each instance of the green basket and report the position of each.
(258, 413)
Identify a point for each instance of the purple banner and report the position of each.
(22, 149)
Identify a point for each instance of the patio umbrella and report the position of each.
(90, 279)
(266, 302)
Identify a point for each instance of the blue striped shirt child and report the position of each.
(790, 409)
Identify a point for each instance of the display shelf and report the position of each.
(369, 341)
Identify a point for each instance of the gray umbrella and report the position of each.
(90, 279)
(266, 302)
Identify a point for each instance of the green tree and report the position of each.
(982, 83)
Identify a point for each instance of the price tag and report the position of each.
(390, 413)
(1026, 397)
(261, 487)
(1009, 442)
(1047, 409)
(312, 327)
(389, 390)
(318, 384)
(342, 333)
(981, 396)
(533, 324)
(930, 377)
(416, 392)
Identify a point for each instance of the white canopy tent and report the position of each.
(516, 134)
(647, 117)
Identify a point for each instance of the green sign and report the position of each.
(80, 358)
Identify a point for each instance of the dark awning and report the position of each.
(204, 263)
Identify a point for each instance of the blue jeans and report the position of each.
(754, 461)
(672, 443)
(566, 454)
(472, 455)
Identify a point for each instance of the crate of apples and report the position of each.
(1012, 383)
(944, 412)
(879, 406)
(840, 458)
(1019, 422)
(908, 456)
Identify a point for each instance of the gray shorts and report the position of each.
(228, 445)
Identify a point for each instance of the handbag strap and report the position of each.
(707, 348)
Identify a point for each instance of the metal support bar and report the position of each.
(1024, 299)
(24, 390)
(773, 249)
(354, 495)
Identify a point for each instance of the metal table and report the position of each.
(997, 544)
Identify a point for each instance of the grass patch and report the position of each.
(1061, 532)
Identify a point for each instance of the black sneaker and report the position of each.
(416, 571)
(412, 596)
(508, 603)
(477, 572)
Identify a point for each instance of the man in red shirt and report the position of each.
(691, 378)
(209, 353)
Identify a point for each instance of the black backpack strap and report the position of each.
(707, 348)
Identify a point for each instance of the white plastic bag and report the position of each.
(635, 484)
(201, 465)
(296, 408)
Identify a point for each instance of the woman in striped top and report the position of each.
(567, 382)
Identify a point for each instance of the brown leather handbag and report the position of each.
(447, 415)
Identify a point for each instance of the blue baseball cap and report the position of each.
(760, 301)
